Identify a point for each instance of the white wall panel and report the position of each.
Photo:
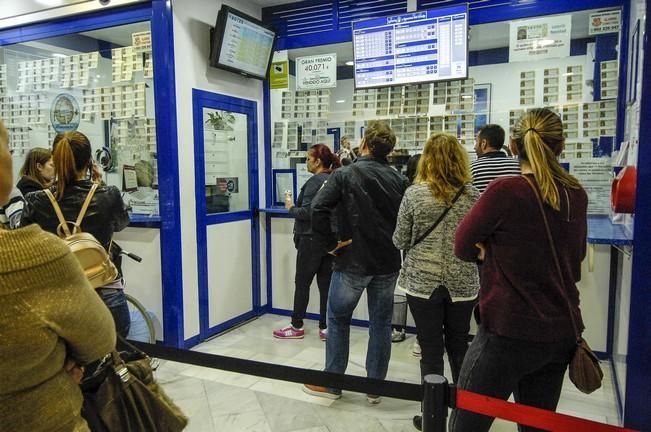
(621, 321)
(230, 278)
(192, 22)
(594, 292)
(143, 280)
(283, 261)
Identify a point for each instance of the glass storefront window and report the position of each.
(98, 82)
(226, 161)
(580, 85)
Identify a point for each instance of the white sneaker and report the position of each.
(397, 335)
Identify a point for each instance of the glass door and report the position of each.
(225, 134)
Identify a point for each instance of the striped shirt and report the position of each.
(11, 212)
(491, 165)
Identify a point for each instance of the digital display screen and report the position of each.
(414, 47)
(246, 46)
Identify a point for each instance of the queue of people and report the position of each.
(459, 249)
(465, 231)
(54, 327)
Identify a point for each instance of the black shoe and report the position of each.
(418, 422)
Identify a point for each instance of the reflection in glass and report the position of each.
(226, 161)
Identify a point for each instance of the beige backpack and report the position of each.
(90, 253)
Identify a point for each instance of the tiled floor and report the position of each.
(224, 401)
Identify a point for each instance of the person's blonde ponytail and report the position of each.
(539, 140)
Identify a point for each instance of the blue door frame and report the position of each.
(159, 14)
(200, 100)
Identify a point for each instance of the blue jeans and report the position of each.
(345, 291)
(116, 302)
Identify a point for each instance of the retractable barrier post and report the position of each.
(435, 404)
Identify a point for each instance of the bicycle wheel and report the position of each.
(136, 307)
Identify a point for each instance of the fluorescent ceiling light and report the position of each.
(350, 63)
(466, 97)
(340, 101)
(59, 55)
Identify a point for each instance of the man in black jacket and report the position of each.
(367, 196)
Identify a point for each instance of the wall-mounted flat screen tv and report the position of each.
(241, 44)
(415, 47)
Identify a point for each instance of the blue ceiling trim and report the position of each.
(317, 22)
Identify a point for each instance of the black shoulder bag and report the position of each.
(440, 218)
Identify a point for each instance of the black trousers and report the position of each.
(311, 261)
(498, 366)
(441, 325)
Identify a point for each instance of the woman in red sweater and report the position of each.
(527, 336)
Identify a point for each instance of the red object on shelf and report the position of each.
(622, 196)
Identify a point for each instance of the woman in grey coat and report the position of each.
(441, 289)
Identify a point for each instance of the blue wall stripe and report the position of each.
(637, 414)
(77, 24)
(168, 171)
(295, 33)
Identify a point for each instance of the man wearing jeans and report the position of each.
(367, 196)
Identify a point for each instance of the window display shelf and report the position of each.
(602, 231)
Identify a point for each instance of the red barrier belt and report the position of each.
(529, 416)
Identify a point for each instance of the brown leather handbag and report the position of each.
(584, 370)
(127, 398)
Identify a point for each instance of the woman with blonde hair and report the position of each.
(441, 289)
(51, 319)
(37, 172)
(530, 233)
(106, 214)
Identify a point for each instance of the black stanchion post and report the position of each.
(435, 404)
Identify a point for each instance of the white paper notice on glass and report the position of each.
(316, 72)
(605, 22)
(130, 178)
(141, 41)
(595, 175)
(540, 38)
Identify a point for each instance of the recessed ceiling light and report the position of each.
(350, 63)
(59, 55)
(340, 101)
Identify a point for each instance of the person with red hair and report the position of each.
(310, 260)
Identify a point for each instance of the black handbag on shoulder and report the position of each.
(123, 396)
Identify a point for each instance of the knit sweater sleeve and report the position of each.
(480, 222)
(84, 322)
(402, 236)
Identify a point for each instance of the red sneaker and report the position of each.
(289, 332)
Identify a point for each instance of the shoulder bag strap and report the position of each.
(553, 247)
(89, 197)
(62, 221)
(440, 218)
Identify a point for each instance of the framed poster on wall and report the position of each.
(482, 105)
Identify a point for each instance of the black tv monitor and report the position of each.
(415, 47)
(241, 44)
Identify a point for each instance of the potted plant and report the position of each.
(220, 120)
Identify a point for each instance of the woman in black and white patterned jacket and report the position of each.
(441, 289)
